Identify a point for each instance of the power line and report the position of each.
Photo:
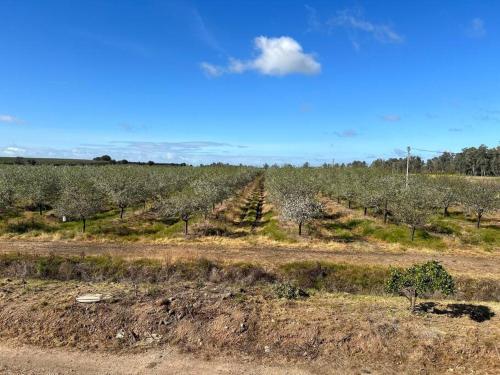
(434, 151)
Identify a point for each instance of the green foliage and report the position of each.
(420, 279)
(288, 291)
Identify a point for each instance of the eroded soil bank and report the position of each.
(324, 333)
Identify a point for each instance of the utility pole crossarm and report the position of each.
(407, 165)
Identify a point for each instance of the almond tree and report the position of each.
(6, 191)
(385, 191)
(446, 192)
(80, 197)
(413, 206)
(40, 186)
(183, 205)
(300, 209)
(120, 185)
(481, 197)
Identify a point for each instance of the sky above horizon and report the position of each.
(247, 81)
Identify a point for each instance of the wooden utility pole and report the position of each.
(407, 165)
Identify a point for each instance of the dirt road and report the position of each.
(29, 360)
(474, 265)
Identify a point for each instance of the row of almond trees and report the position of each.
(79, 193)
(296, 192)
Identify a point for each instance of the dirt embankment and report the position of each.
(326, 333)
(482, 266)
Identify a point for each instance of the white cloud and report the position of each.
(211, 70)
(476, 28)
(391, 118)
(354, 21)
(277, 57)
(13, 151)
(10, 119)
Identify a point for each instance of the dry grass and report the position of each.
(326, 332)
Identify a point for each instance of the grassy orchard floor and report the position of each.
(249, 218)
(248, 229)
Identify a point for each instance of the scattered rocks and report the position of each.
(120, 335)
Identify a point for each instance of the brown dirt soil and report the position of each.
(326, 333)
(29, 360)
(473, 265)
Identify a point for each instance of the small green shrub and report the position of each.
(419, 279)
(288, 291)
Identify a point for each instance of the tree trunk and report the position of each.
(84, 222)
(386, 213)
(186, 227)
(413, 232)
(411, 294)
(338, 200)
(349, 204)
(413, 302)
(300, 228)
(366, 209)
(446, 213)
(478, 224)
(122, 210)
(40, 209)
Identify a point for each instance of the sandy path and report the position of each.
(473, 265)
(28, 360)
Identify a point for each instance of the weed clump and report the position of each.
(289, 291)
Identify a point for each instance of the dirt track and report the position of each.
(474, 265)
(28, 360)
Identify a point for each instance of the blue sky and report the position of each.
(247, 81)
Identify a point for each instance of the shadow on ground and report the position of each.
(477, 313)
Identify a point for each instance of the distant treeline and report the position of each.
(472, 161)
(100, 160)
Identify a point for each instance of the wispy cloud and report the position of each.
(13, 151)
(356, 26)
(9, 119)
(488, 115)
(131, 150)
(276, 57)
(313, 21)
(476, 28)
(455, 130)
(348, 133)
(353, 21)
(391, 118)
(202, 32)
(399, 152)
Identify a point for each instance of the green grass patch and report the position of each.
(488, 238)
(401, 234)
(439, 224)
(335, 277)
(273, 230)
